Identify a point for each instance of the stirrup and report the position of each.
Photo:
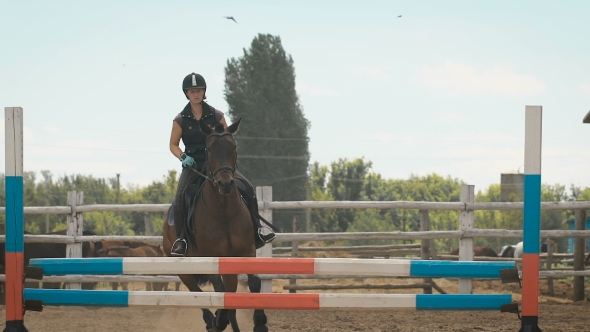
(266, 238)
(174, 244)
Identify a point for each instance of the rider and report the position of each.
(186, 126)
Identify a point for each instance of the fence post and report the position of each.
(294, 251)
(264, 195)
(75, 228)
(579, 256)
(425, 246)
(466, 220)
(549, 266)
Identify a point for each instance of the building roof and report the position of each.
(587, 118)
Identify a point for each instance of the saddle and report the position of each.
(193, 192)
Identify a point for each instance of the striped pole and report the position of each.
(14, 253)
(532, 219)
(267, 265)
(270, 301)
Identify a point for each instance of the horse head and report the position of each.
(221, 152)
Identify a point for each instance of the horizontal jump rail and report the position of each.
(271, 301)
(336, 236)
(265, 265)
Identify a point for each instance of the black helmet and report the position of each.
(193, 80)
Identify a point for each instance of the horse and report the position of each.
(479, 251)
(516, 250)
(220, 226)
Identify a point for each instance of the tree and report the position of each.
(346, 183)
(322, 220)
(272, 139)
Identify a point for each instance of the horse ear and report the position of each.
(234, 126)
(205, 129)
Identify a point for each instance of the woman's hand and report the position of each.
(187, 161)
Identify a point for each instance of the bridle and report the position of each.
(212, 173)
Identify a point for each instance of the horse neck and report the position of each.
(215, 201)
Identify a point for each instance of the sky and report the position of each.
(442, 89)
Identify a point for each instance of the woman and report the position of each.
(186, 127)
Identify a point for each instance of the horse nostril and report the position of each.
(231, 183)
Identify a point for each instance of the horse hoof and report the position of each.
(214, 329)
(261, 328)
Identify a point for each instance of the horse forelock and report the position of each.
(219, 128)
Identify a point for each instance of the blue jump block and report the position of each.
(462, 301)
(454, 269)
(60, 266)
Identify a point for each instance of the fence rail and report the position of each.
(290, 237)
(407, 205)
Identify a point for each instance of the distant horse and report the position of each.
(479, 251)
(516, 250)
(507, 251)
(220, 226)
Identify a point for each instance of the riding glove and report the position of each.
(187, 161)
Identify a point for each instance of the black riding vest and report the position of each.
(192, 137)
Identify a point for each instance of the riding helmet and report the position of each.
(193, 80)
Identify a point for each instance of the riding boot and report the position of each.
(179, 246)
(260, 239)
(249, 196)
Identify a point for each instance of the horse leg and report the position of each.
(230, 281)
(192, 283)
(222, 316)
(254, 284)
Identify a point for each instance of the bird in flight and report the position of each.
(231, 18)
(399, 16)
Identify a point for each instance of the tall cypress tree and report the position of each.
(272, 140)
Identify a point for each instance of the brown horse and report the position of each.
(479, 251)
(221, 226)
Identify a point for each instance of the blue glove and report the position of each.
(187, 161)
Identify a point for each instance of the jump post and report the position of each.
(14, 256)
(532, 218)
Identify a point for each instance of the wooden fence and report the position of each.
(466, 231)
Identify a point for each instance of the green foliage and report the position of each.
(322, 220)
(353, 180)
(346, 183)
(272, 139)
(50, 192)
(341, 180)
(550, 219)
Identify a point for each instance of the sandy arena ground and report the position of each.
(557, 313)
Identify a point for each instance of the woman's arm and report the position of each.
(175, 136)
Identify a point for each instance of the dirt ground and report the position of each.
(557, 313)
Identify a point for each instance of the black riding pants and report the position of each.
(181, 201)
